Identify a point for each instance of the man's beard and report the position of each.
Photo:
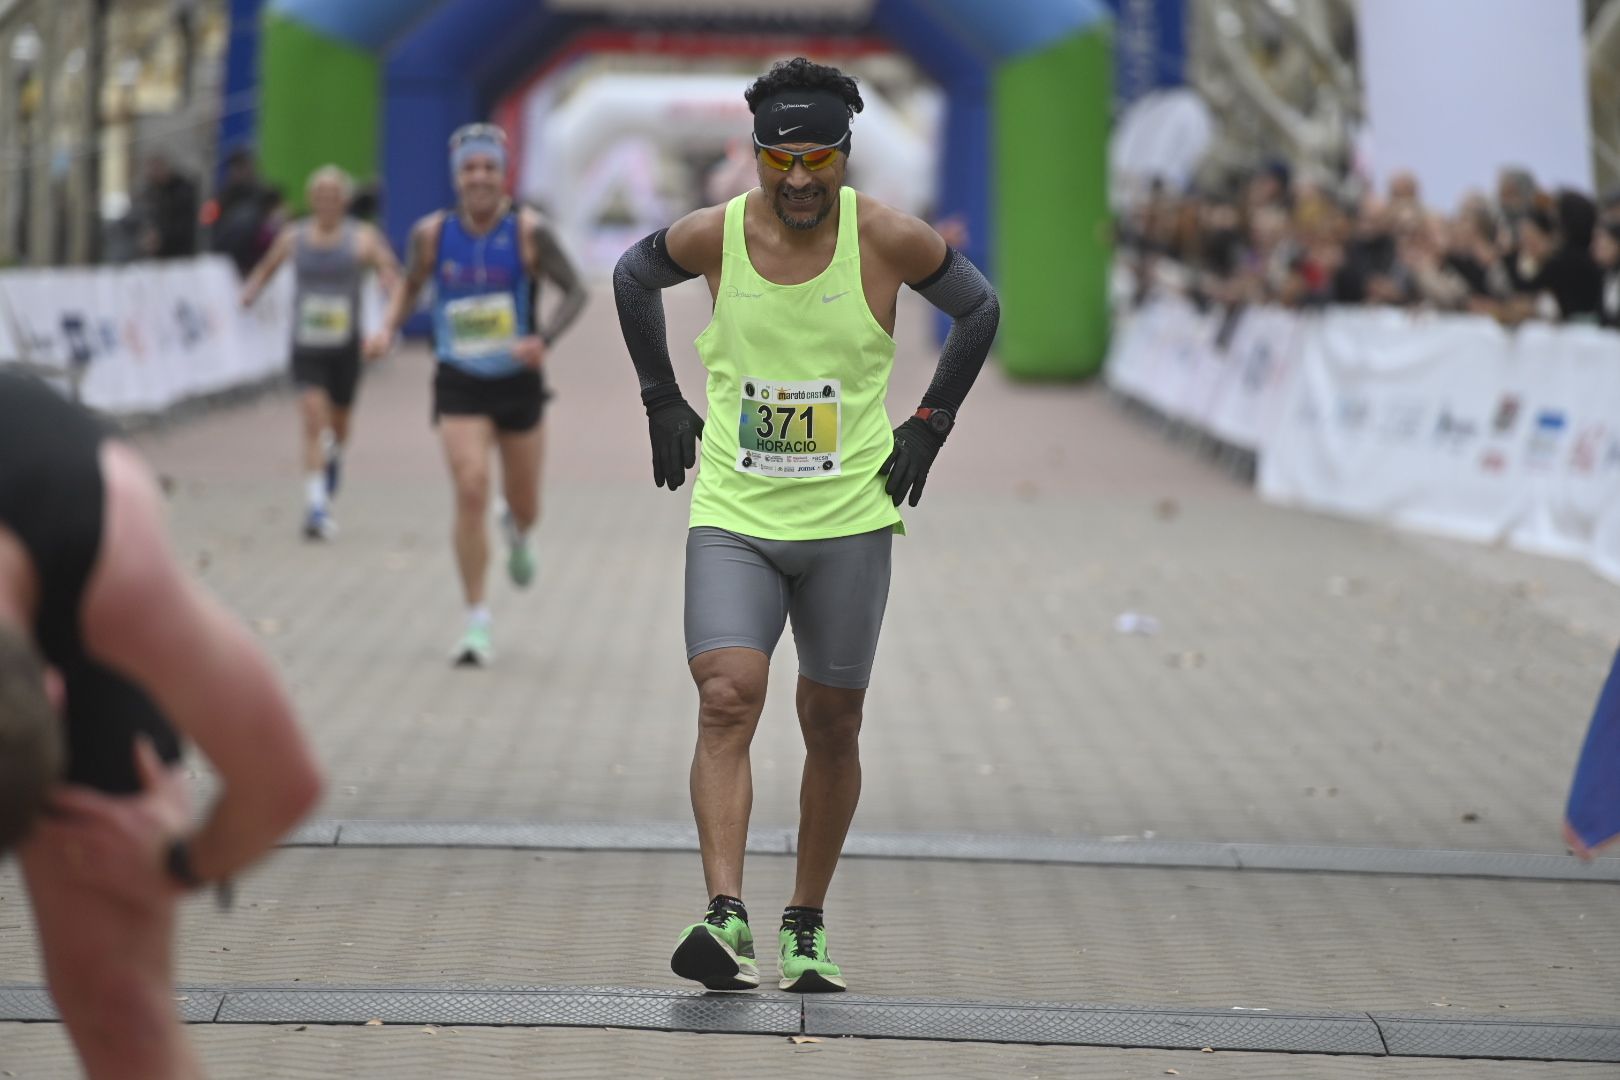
(803, 224)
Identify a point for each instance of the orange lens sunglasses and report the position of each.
(815, 159)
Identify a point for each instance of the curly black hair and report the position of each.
(802, 74)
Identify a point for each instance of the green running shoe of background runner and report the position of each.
(805, 966)
(520, 551)
(719, 951)
(474, 648)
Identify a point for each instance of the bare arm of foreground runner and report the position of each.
(143, 617)
(687, 249)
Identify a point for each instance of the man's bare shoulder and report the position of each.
(424, 240)
(135, 574)
(902, 240)
(696, 241)
(428, 226)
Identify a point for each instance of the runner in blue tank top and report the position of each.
(485, 259)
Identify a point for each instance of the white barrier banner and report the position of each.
(1444, 423)
(1571, 453)
(1133, 351)
(1262, 351)
(147, 335)
(9, 349)
(1184, 337)
(1391, 418)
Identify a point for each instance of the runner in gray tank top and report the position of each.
(330, 254)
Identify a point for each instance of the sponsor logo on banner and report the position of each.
(1257, 366)
(1588, 447)
(1507, 415)
(1401, 420)
(1453, 431)
(1493, 461)
(81, 350)
(1545, 437)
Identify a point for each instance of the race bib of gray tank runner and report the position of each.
(324, 320)
(789, 429)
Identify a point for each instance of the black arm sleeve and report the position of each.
(641, 272)
(960, 291)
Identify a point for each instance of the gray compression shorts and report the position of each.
(741, 590)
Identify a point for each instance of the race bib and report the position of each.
(481, 325)
(325, 320)
(789, 428)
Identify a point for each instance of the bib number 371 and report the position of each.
(789, 429)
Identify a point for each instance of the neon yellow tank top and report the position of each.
(796, 427)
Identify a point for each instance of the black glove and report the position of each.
(915, 445)
(674, 429)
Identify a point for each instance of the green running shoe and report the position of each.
(719, 951)
(805, 966)
(474, 648)
(520, 555)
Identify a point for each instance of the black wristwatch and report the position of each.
(940, 421)
(178, 864)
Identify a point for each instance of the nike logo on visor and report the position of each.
(785, 131)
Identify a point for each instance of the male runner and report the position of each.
(485, 258)
(331, 254)
(132, 646)
(796, 501)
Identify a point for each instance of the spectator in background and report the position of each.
(1567, 272)
(168, 212)
(1609, 210)
(272, 218)
(1268, 187)
(1606, 254)
(1403, 193)
(367, 202)
(239, 216)
(1515, 198)
(1471, 255)
(1368, 272)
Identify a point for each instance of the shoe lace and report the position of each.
(804, 937)
(719, 914)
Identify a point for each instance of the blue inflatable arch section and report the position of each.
(447, 62)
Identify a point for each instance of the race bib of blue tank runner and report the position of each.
(325, 320)
(789, 429)
(481, 325)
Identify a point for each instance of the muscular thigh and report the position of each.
(839, 591)
(735, 596)
(87, 936)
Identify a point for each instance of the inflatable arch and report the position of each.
(378, 85)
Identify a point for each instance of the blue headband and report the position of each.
(478, 144)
